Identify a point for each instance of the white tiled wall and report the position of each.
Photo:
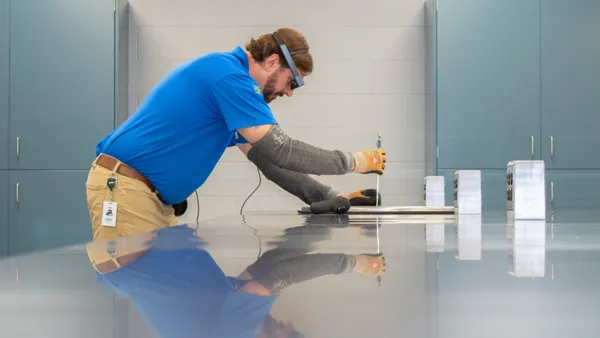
(369, 78)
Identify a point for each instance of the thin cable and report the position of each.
(254, 230)
(258, 186)
(197, 211)
(197, 207)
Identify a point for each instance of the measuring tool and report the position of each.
(378, 145)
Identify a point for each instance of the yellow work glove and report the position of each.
(370, 161)
(370, 264)
(363, 197)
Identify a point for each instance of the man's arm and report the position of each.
(277, 147)
(245, 111)
(298, 184)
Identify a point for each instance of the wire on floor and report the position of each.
(254, 230)
(258, 186)
(197, 208)
(197, 212)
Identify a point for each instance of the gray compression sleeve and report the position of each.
(300, 185)
(282, 274)
(298, 156)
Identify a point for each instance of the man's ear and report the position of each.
(272, 62)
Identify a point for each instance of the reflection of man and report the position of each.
(180, 290)
(177, 287)
(291, 261)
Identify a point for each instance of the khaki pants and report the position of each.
(139, 210)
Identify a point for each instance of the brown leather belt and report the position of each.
(110, 163)
(110, 266)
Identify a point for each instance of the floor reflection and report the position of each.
(178, 288)
(316, 276)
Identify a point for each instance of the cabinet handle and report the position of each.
(551, 191)
(17, 193)
(551, 145)
(18, 146)
(532, 148)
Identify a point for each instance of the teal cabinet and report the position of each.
(518, 91)
(573, 189)
(493, 188)
(488, 82)
(63, 87)
(62, 81)
(4, 84)
(48, 209)
(430, 82)
(4, 196)
(571, 83)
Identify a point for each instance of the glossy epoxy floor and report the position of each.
(446, 276)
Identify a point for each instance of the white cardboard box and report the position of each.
(526, 189)
(467, 192)
(434, 191)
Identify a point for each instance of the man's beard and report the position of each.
(269, 91)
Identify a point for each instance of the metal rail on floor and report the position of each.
(406, 210)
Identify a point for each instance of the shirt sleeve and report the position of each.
(237, 139)
(241, 102)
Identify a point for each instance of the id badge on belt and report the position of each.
(109, 208)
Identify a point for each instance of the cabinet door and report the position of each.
(61, 81)
(3, 84)
(4, 196)
(571, 83)
(493, 188)
(50, 212)
(488, 82)
(573, 189)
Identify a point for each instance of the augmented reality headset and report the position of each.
(297, 81)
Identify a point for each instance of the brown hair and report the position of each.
(265, 46)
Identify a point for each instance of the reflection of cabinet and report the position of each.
(518, 91)
(62, 64)
(58, 292)
(461, 286)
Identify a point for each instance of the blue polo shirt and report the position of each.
(180, 131)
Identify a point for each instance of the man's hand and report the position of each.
(363, 197)
(370, 161)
